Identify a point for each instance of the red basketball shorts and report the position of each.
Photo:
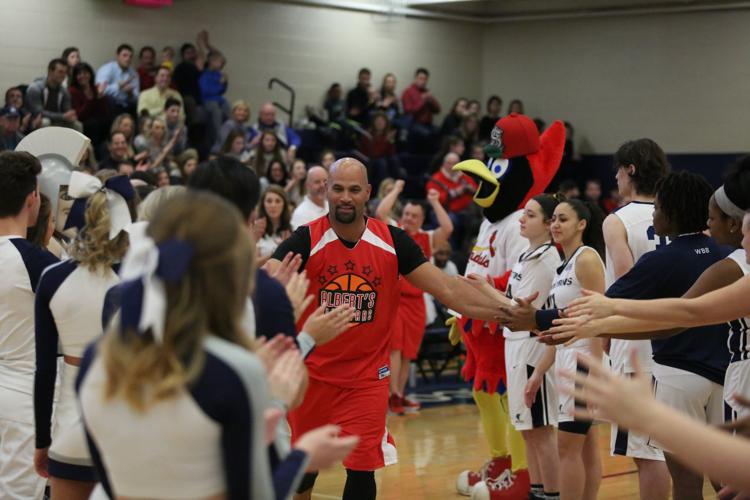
(408, 326)
(358, 411)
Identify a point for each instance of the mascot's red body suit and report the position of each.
(520, 166)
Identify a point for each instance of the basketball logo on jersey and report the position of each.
(354, 290)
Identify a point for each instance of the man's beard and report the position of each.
(345, 218)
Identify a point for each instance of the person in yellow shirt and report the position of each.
(153, 99)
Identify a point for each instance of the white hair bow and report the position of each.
(118, 191)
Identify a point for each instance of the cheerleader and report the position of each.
(68, 310)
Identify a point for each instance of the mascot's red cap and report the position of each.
(520, 135)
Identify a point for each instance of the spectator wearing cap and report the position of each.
(10, 124)
(49, 98)
(119, 81)
(153, 100)
(14, 99)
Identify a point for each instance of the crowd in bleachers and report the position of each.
(157, 120)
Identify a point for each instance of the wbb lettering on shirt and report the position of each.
(703, 251)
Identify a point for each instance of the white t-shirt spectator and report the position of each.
(307, 211)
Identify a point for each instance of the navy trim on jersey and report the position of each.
(47, 341)
(36, 259)
(738, 340)
(72, 472)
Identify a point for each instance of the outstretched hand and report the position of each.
(521, 317)
(324, 446)
(569, 330)
(326, 326)
(627, 401)
(592, 304)
(286, 269)
(296, 290)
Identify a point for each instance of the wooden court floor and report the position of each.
(435, 446)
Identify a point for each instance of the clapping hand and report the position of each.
(326, 326)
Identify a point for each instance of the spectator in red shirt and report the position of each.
(89, 105)
(419, 107)
(418, 101)
(456, 190)
(147, 67)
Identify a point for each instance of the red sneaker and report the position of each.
(395, 407)
(410, 406)
(509, 486)
(490, 470)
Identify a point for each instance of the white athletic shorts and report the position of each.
(737, 381)
(69, 453)
(690, 394)
(566, 359)
(18, 479)
(521, 357)
(631, 444)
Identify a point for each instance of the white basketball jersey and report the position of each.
(533, 272)
(498, 246)
(638, 219)
(739, 336)
(566, 288)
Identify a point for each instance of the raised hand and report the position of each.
(326, 326)
(627, 401)
(269, 351)
(296, 290)
(286, 269)
(433, 196)
(324, 447)
(286, 377)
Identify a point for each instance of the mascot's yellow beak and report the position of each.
(484, 197)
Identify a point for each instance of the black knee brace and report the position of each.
(360, 485)
(308, 481)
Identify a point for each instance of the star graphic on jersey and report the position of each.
(332, 269)
(376, 281)
(367, 270)
(349, 265)
(322, 280)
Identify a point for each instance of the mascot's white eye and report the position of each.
(499, 167)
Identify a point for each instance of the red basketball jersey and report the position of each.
(424, 240)
(365, 276)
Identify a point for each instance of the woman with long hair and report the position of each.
(576, 226)
(156, 144)
(274, 208)
(124, 123)
(267, 150)
(69, 303)
(177, 382)
(276, 174)
(90, 107)
(295, 187)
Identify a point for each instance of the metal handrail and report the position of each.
(290, 110)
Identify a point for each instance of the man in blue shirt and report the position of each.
(119, 81)
(688, 367)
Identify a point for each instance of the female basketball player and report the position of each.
(726, 210)
(172, 397)
(69, 302)
(535, 417)
(576, 227)
(629, 401)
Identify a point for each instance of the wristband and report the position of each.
(544, 318)
(306, 344)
